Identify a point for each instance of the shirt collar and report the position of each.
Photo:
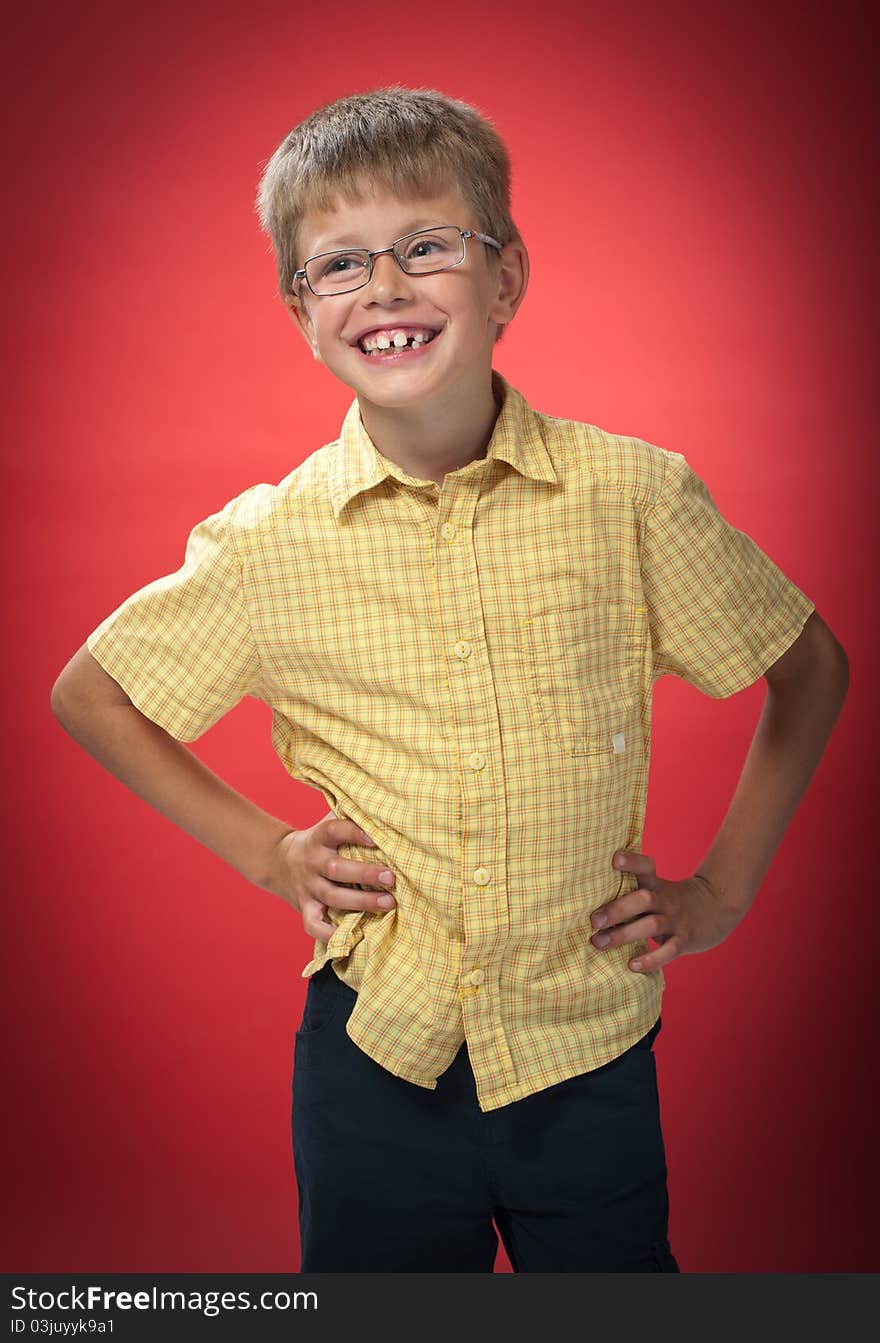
(516, 439)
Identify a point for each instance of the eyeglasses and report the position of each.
(422, 253)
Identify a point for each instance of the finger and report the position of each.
(348, 897)
(315, 921)
(646, 962)
(361, 836)
(352, 872)
(628, 906)
(650, 925)
(642, 864)
(342, 831)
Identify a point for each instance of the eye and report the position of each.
(422, 247)
(440, 246)
(341, 263)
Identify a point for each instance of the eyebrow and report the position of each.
(349, 239)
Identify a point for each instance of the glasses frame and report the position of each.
(337, 251)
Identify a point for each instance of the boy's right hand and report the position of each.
(307, 872)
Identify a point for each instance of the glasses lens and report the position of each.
(334, 272)
(431, 249)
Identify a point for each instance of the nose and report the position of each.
(389, 280)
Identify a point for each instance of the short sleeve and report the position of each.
(182, 647)
(720, 611)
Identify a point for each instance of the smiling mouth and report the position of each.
(414, 346)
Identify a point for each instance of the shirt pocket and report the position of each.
(585, 667)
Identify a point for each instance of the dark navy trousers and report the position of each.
(395, 1178)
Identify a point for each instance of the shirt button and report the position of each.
(447, 531)
(476, 760)
(482, 876)
(463, 648)
(477, 976)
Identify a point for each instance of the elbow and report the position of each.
(57, 701)
(68, 698)
(835, 659)
(65, 706)
(843, 663)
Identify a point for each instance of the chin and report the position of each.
(399, 389)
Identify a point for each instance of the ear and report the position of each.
(300, 316)
(510, 281)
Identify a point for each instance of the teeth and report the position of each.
(398, 340)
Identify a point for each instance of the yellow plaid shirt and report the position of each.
(466, 673)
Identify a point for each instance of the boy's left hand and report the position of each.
(682, 916)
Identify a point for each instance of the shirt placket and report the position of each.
(474, 734)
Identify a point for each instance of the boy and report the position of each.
(457, 612)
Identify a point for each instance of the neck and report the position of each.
(431, 439)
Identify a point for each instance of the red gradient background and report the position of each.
(696, 186)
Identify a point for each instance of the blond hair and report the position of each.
(407, 141)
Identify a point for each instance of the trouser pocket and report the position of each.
(326, 995)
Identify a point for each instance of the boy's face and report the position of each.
(464, 303)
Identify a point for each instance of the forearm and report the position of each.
(796, 722)
(173, 780)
